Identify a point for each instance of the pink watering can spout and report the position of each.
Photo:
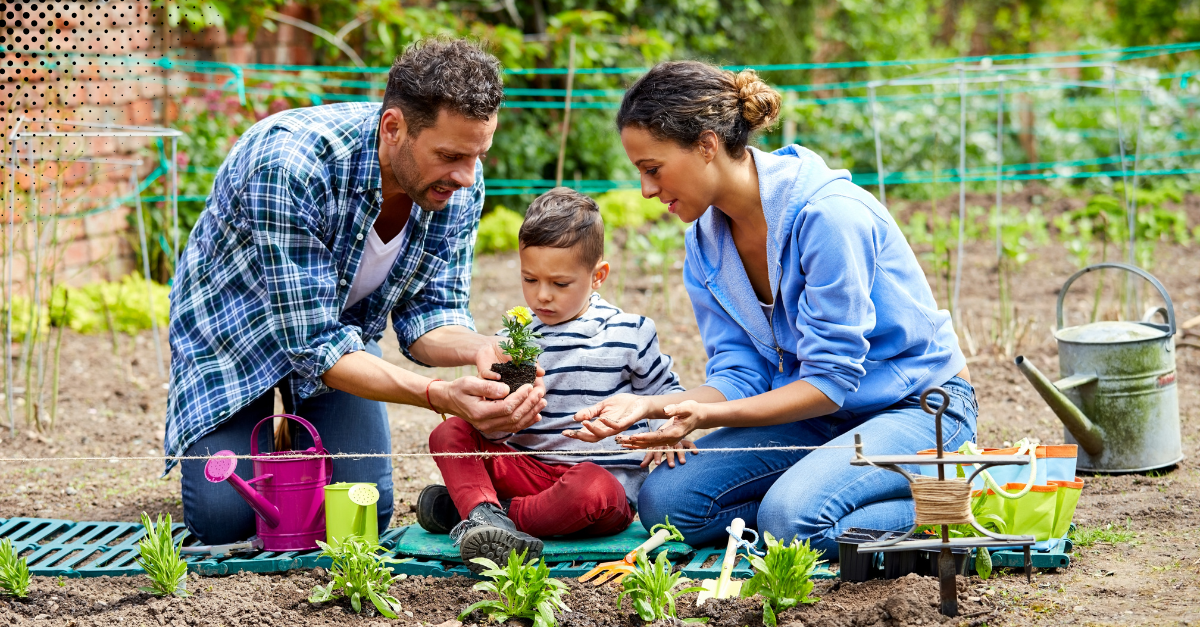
(221, 468)
(287, 491)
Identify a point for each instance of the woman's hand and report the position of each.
(657, 456)
(609, 417)
(684, 418)
(485, 405)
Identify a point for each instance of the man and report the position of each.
(321, 222)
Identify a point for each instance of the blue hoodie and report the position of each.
(854, 315)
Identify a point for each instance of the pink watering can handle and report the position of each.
(311, 431)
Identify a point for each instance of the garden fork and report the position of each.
(616, 571)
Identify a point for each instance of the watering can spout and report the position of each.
(221, 468)
(1089, 436)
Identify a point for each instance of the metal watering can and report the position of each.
(351, 511)
(288, 492)
(1117, 398)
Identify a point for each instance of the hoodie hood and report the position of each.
(787, 180)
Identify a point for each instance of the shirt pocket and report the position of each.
(603, 377)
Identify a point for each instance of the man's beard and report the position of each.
(408, 176)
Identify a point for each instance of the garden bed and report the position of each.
(1145, 568)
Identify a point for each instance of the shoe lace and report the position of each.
(461, 529)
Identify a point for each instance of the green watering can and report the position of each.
(350, 511)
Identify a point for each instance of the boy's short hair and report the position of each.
(564, 218)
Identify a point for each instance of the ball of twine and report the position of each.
(942, 502)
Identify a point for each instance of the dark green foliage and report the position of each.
(783, 578)
(522, 590)
(359, 573)
(651, 589)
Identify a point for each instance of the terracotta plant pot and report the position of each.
(515, 376)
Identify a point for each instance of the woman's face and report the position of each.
(675, 175)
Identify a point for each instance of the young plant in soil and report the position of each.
(359, 573)
(523, 590)
(159, 557)
(651, 589)
(14, 571)
(783, 578)
(520, 346)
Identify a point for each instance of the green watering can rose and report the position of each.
(351, 511)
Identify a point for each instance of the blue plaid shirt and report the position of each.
(260, 289)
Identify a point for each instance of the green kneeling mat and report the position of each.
(416, 542)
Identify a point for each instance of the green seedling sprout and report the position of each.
(14, 571)
(159, 557)
(520, 343)
(522, 590)
(652, 589)
(359, 573)
(783, 578)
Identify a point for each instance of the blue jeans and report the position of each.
(216, 514)
(813, 494)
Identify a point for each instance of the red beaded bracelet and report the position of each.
(430, 401)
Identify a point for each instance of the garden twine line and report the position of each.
(300, 456)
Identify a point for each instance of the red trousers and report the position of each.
(548, 500)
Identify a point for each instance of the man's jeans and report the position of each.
(216, 514)
(811, 494)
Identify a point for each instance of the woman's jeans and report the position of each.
(216, 514)
(813, 494)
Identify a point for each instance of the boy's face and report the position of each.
(556, 284)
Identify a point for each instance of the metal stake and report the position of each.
(1132, 315)
(962, 187)
(878, 145)
(141, 222)
(999, 167)
(174, 206)
(566, 125)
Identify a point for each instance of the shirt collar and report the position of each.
(367, 157)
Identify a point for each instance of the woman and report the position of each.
(816, 317)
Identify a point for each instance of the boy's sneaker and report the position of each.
(435, 510)
(487, 532)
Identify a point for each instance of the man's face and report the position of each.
(430, 167)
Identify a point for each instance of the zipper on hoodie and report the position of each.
(770, 323)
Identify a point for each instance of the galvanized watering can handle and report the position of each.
(1062, 294)
(307, 425)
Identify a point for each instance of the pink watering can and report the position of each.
(288, 493)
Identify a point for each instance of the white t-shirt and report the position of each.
(376, 264)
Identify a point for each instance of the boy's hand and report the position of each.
(609, 417)
(657, 456)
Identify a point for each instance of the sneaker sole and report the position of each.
(496, 544)
(427, 503)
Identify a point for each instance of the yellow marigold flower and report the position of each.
(520, 314)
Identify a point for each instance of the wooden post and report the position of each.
(566, 124)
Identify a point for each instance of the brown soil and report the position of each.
(515, 376)
(113, 405)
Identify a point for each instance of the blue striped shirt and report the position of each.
(261, 288)
(603, 352)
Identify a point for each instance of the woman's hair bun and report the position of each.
(760, 102)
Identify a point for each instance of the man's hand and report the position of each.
(657, 456)
(483, 403)
(683, 419)
(609, 417)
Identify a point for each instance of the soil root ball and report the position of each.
(515, 376)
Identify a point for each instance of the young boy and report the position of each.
(592, 351)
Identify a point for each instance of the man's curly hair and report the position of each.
(438, 73)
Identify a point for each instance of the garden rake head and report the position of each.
(616, 571)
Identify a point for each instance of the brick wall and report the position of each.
(46, 74)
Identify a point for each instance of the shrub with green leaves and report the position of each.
(522, 591)
(627, 209)
(652, 589)
(14, 571)
(159, 557)
(359, 573)
(783, 578)
(498, 231)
